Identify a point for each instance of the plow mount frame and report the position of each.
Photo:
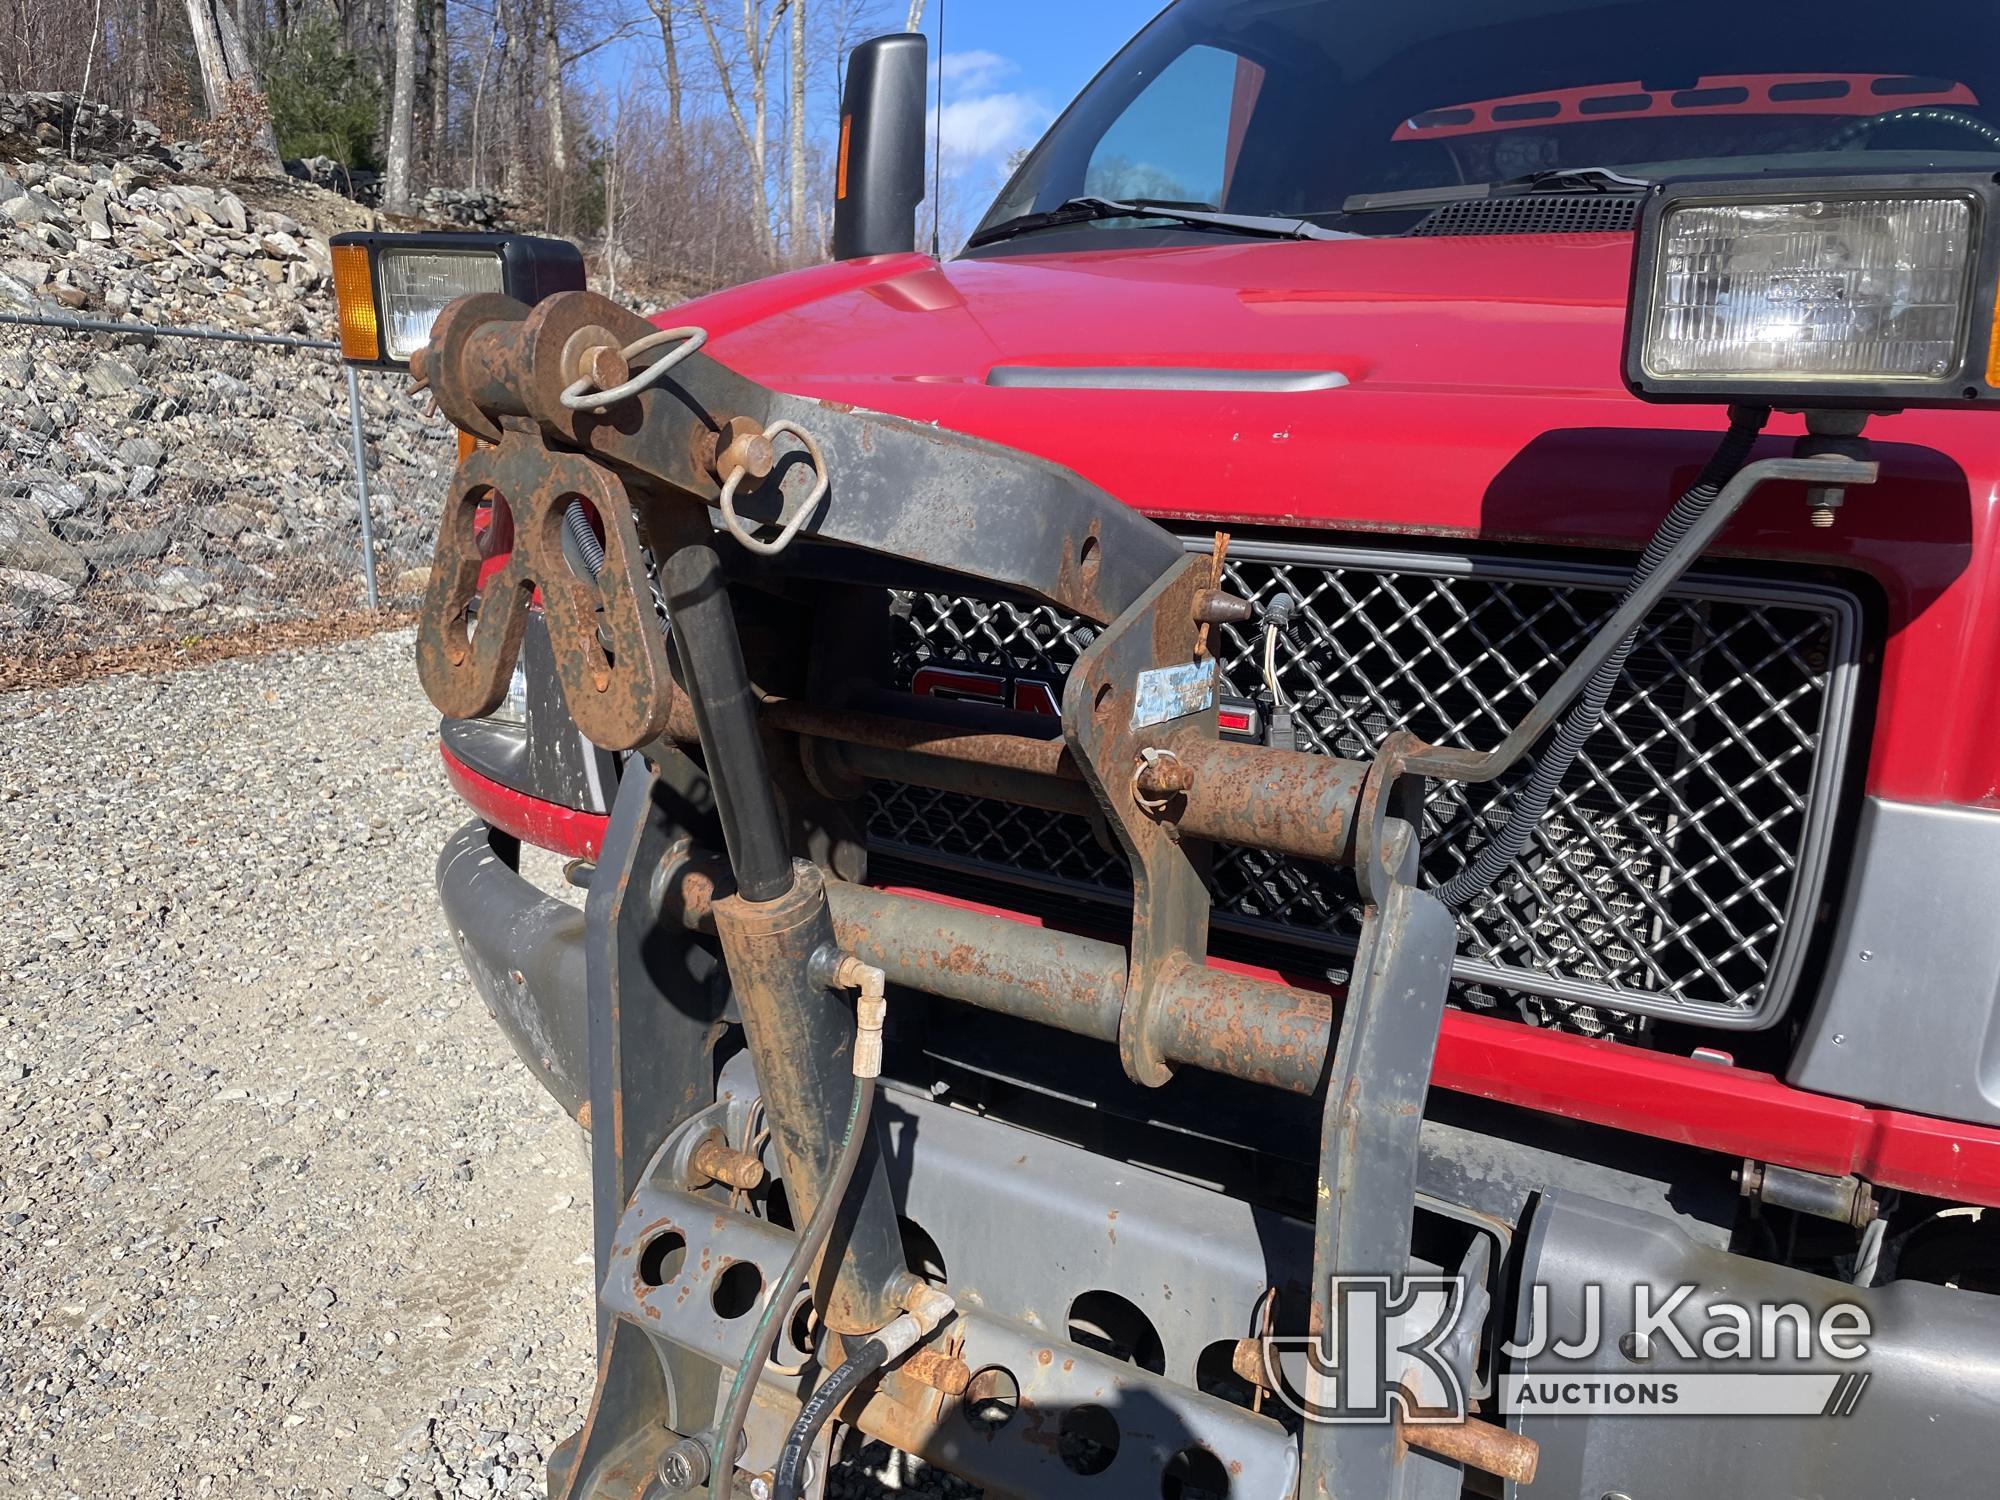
(787, 740)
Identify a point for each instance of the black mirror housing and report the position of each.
(880, 178)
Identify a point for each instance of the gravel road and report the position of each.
(279, 1212)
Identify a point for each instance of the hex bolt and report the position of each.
(718, 1161)
(684, 1466)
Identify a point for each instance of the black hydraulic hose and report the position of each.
(722, 1463)
(864, 1361)
(725, 714)
(1531, 801)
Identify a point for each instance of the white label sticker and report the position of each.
(1174, 693)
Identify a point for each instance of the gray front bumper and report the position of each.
(524, 951)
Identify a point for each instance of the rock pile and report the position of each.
(142, 475)
(63, 122)
(359, 184)
(466, 208)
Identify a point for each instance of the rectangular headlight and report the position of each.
(414, 285)
(390, 288)
(1858, 291)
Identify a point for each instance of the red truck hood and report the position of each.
(1482, 397)
(1477, 370)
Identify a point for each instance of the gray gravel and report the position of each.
(279, 1212)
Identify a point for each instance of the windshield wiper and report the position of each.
(1560, 180)
(1083, 210)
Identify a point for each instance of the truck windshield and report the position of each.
(1312, 109)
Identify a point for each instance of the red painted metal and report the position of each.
(1724, 94)
(1484, 400)
(546, 825)
(1703, 1104)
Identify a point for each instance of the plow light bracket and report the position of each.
(389, 288)
(1867, 290)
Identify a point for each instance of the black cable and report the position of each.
(722, 1463)
(862, 1362)
(1531, 801)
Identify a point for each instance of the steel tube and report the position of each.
(1281, 800)
(1233, 1024)
(1302, 805)
(725, 714)
(1007, 783)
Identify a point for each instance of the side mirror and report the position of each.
(881, 171)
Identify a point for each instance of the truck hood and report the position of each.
(1452, 386)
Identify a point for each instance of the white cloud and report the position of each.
(975, 70)
(983, 124)
(985, 127)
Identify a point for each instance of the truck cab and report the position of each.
(1377, 313)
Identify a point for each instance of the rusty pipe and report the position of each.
(1477, 1445)
(1281, 800)
(1233, 1024)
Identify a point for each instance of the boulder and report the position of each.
(28, 545)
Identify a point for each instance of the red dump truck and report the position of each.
(1324, 820)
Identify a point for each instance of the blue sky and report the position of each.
(1010, 65)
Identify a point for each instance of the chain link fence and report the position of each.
(158, 485)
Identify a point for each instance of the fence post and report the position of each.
(361, 484)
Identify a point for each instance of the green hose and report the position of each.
(722, 1464)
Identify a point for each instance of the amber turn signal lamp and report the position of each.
(360, 337)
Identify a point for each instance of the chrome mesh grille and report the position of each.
(1661, 882)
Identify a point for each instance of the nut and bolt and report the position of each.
(684, 1466)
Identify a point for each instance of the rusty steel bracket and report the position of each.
(1379, 1073)
(901, 488)
(607, 644)
(1138, 687)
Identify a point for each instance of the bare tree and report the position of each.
(440, 53)
(916, 17)
(796, 232)
(223, 60)
(552, 109)
(663, 12)
(402, 109)
(756, 32)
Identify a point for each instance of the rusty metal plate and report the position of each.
(610, 652)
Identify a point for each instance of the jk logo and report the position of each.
(1384, 1353)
